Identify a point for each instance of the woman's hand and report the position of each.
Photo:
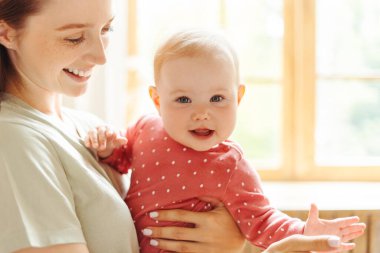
(214, 231)
(307, 244)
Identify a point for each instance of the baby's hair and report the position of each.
(193, 43)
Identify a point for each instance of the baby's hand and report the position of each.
(347, 228)
(104, 140)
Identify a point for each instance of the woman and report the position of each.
(57, 197)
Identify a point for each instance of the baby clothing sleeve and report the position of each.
(121, 158)
(258, 221)
(36, 204)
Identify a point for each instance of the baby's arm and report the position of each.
(104, 140)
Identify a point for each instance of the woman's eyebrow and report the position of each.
(78, 25)
(72, 26)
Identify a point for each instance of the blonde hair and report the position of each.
(193, 43)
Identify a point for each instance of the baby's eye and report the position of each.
(216, 98)
(183, 100)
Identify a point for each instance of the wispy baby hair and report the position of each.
(193, 43)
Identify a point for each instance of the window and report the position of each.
(312, 71)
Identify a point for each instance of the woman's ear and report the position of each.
(241, 92)
(7, 35)
(155, 97)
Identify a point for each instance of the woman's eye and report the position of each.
(107, 29)
(75, 41)
(216, 98)
(183, 100)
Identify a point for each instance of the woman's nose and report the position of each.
(97, 54)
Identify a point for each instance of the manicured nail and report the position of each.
(153, 214)
(334, 242)
(147, 231)
(153, 242)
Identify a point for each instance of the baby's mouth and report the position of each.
(202, 132)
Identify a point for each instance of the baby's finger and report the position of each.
(93, 138)
(102, 137)
(346, 221)
(353, 228)
(351, 236)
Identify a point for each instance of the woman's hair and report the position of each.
(14, 13)
(193, 43)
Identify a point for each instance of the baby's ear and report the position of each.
(154, 96)
(7, 35)
(241, 92)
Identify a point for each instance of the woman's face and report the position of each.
(58, 48)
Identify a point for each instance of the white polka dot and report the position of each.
(148, 179)
(173, 162)
(141, 153)
(252, 216)
(142, 207)
(238, 210)
(194, 173)
(153, 192)
(212, 172)
(236, 168)
(192, 205)
(183, 187)
(228, 170)
(259, 232)
(245, 203)
(228, 204)
(156, 205)
(238, 222)
(137, 181)
(168, 150)
(260, 243)
(188, 161)
(167, 190)
(282, 229)
(201, 185)
(205, 160)
(163, 178)
(249, 223)
(237, 195)
(143, 166)
(219, 185)
(139, 194)
(270, 237)
(153, 151)
(178, 175)
(157, 163)
(184, 149)
(165, 138)
(140, 141)
(242, 184)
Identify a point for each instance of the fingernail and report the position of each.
(153, 214)
(153, 242)
(334, 241)
(147, 231)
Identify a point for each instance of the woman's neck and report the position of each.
(47, 103)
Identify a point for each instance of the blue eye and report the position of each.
(216, 98)
(183, 100)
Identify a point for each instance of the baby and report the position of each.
(184, 154)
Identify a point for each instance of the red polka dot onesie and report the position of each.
(168, 175)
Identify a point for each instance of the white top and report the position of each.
(52, 189)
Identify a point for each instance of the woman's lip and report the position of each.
(76, 77)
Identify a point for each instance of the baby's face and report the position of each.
(198, 100)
